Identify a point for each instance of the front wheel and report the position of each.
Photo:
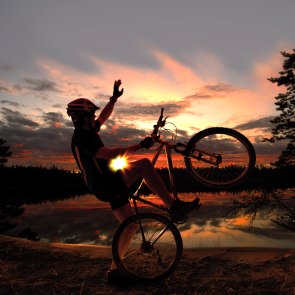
(220, 157)
(154, 250)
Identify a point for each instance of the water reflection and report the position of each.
(86, 220)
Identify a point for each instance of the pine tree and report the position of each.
(4, 152)
(285, 122)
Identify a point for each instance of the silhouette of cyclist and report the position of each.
(93, 159)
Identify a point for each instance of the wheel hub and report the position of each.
(146, 247)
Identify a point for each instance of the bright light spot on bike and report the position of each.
(119, 163)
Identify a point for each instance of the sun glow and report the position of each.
(119, 163)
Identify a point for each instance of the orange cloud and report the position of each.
(200, 90)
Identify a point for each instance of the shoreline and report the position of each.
(29, 267)
(246, 254)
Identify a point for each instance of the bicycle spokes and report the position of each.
(219, 157)
(156, 255)
(210, 158)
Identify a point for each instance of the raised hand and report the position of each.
(117, 93)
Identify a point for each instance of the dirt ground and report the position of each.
(28, 267)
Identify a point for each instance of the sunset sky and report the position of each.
(206, 62)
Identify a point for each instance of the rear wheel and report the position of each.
(154, 250)
(220, 157)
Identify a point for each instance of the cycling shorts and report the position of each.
(112, 189)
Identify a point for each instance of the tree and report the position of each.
(4, 152)
(272, 202)
(285, 122)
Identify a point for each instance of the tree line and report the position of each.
(19, 179)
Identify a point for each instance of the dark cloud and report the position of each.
(53, 117)
(4, 89)
(58, 106)
(12, 103)
(56, 119)
(15, 118)
(121, 129)
(41, 85)
(199, 95)
(6, 68)
(181, 135)
(215, 222)
(227, 145)
(42, 141)
(262, 123)
(17, 87)
(220, 87)
(102, 96)
(39, 142)
(53, 137)
(264, 148)
(118, 133)
(212, 91)
(152, 111)
(11, 89)
(25, 135)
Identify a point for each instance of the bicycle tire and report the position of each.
(237, 154)
(143, 261)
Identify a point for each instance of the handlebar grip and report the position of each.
(155, 131)
(161, 115)
(156, 127)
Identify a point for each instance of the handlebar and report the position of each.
(160, 123)
(155, 133)
(161, 116)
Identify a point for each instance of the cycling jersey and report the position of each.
(107, 185)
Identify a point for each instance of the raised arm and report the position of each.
(108, 109)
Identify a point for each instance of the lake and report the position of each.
(85, 220)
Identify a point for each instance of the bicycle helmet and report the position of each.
(80, 107)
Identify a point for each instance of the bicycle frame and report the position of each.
(214, 159)
(136, 196)
(167, 148)
(146, 221)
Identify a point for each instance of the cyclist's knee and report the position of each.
(144, 163)
(147, 162)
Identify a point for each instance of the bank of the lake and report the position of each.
(28, 267)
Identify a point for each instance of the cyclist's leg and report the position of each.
(143, 168)
(121, 214)
(139, 169)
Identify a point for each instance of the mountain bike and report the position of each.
(217, 157)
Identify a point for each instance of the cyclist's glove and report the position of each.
(117, 93)
(147, 142)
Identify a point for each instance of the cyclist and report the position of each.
(93, 159)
